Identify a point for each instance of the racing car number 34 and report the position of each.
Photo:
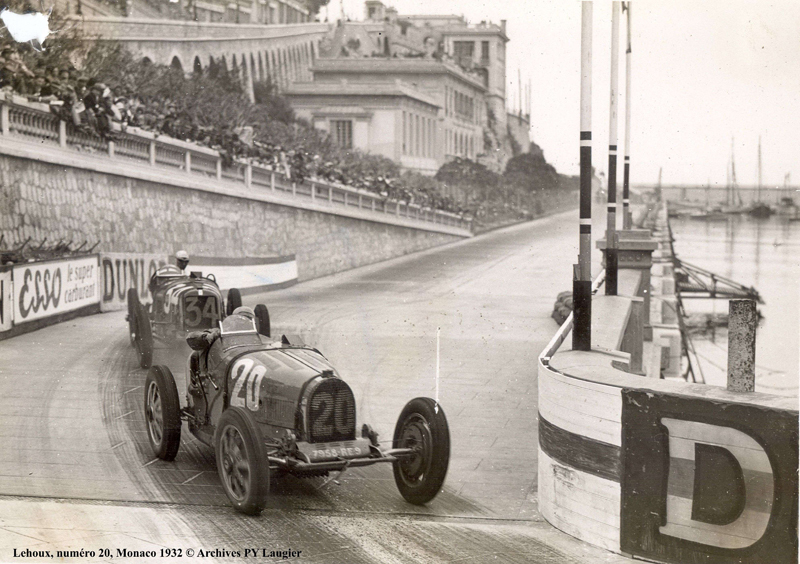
(199, 308)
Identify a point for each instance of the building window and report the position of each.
(484, 52)
(412, 135)
(405, 133)
(418, 145)
(421, 136)
(342, 130)
(463, 49)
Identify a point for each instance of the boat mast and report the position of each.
(758, 190)
(734, 189)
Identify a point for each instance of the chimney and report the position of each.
(503, 26)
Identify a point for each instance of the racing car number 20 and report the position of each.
(248, 376)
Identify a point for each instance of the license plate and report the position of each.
(320, 452)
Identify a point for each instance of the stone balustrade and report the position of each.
(34, 121)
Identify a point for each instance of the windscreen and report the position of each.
(238, 324)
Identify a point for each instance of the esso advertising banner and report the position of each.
(42, 289)
(121, 271)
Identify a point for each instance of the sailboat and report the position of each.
(734, 202)
(760, 209)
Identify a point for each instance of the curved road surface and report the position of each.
(77, 471)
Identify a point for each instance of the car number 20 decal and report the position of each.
(247, 376)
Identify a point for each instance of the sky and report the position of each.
(706, 75)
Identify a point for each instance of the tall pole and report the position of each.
(611, 229)
(582, 272)
(626, 210)
(758, 190)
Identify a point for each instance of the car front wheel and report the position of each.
(133, 300)
(144, 336)
(162, 412)
(242, 462)
(262, 320)
(423, 428)
(234, 300)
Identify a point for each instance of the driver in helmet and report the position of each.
(182, 258)
(201, 341)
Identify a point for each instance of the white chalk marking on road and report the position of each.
(149, 463)
(190, 479)
(438, 331)
(124, 414)
(117, 445)
(132, 390)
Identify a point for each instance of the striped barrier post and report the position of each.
(582, 272)
(611, 229)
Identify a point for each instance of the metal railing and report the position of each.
(35, 122)
(563, 331)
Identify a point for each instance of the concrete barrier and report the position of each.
(249, 275)
(37, 294)
(662, 469)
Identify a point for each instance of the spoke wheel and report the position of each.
(423, 429)
(162, 413)
(241, 461)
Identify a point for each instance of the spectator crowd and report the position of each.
(90, 105)
(103, 91)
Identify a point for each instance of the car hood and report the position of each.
(288, 370)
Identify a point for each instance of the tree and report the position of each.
(531, 173)
(315, 5)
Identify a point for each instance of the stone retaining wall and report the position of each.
(42, 200)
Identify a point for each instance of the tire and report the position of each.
(242, 462)
(234, 300)
(420, 478)
(144, 336)
(162, 413)
(133, 300)
(262, 320)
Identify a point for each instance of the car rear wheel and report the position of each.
(162, 412)
(144, 336)
(242, 462)
(262, 320)
(423, 428)
(234, 300)
(133, 300)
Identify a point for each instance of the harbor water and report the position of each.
(764, 254)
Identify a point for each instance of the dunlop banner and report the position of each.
(42, 289)
(122, 271)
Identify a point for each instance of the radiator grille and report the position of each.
(332, 412)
